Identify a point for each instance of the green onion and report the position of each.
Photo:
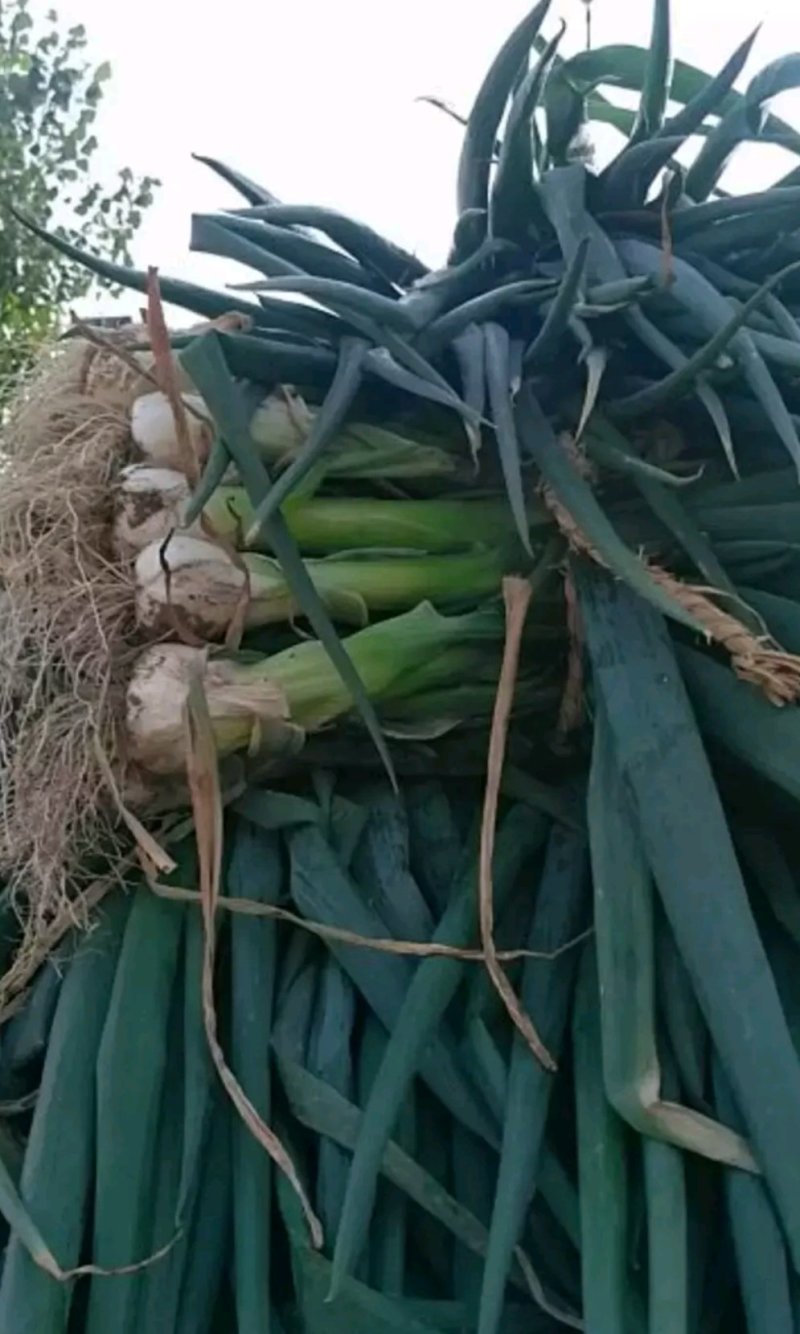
(261, 704)
(151, 502)
(278, 428)
(206, 585)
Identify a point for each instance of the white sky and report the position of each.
(317, 100)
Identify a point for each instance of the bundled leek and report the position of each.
(206, 585)
(598, 394)
(252, 702)
(278, 428)
(151, 502)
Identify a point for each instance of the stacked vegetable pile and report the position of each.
(419, 650)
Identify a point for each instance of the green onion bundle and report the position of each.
(282, 603)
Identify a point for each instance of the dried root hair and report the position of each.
(67, 632)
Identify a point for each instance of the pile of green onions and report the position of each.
(598, 392)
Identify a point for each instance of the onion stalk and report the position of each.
(279, 428)
(151, 502)
(207, 585)
(265, 705)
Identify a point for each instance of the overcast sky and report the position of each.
(317, 100)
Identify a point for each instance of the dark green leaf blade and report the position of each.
(498, 381)
(383, 257)
(602, 1168)
(686, 840)
(200, 300)
(486, 114)
(708, 99)
(559, 915)
(431, 990)
(511, 195)
(560, 311)
(254, 194)
(657, 76)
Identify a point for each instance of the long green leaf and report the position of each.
(432, 988)
(738, 716)
(746, 117)
(57, 1171)
(681, 1016)
(383, 257)
(668, 352)
(741, 231)
(473, 1175)
(559, 313)
(511, 194)
(713, 311)
(330, 1059)
(159, 1284)
(602, 1169)
(498, 380)
(685, 377)
(183, 1131)
(213, 475)
(435, 844)
(760, 1249)
(254, 872)
(657, 76)
(667, 1237)
(200, 300)
(198, 1071)
(626, 968)
(323, 892)
(624, 66)
(269, 362)
(211, 237)
(324, 1111)
(563, 193)
(546, 992)
(209, 1237)
(469, 350)
(710, 96)
(254, 194)
(381, 864)
(26, 1036)
(688, 847)
(343, 298)
(483, 307)
(390, 1241)
(131, 1065)
(308, 255)
(626, 182)
(487, 111)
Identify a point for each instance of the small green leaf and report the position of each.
(498, 380)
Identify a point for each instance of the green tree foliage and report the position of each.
(49, 97)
